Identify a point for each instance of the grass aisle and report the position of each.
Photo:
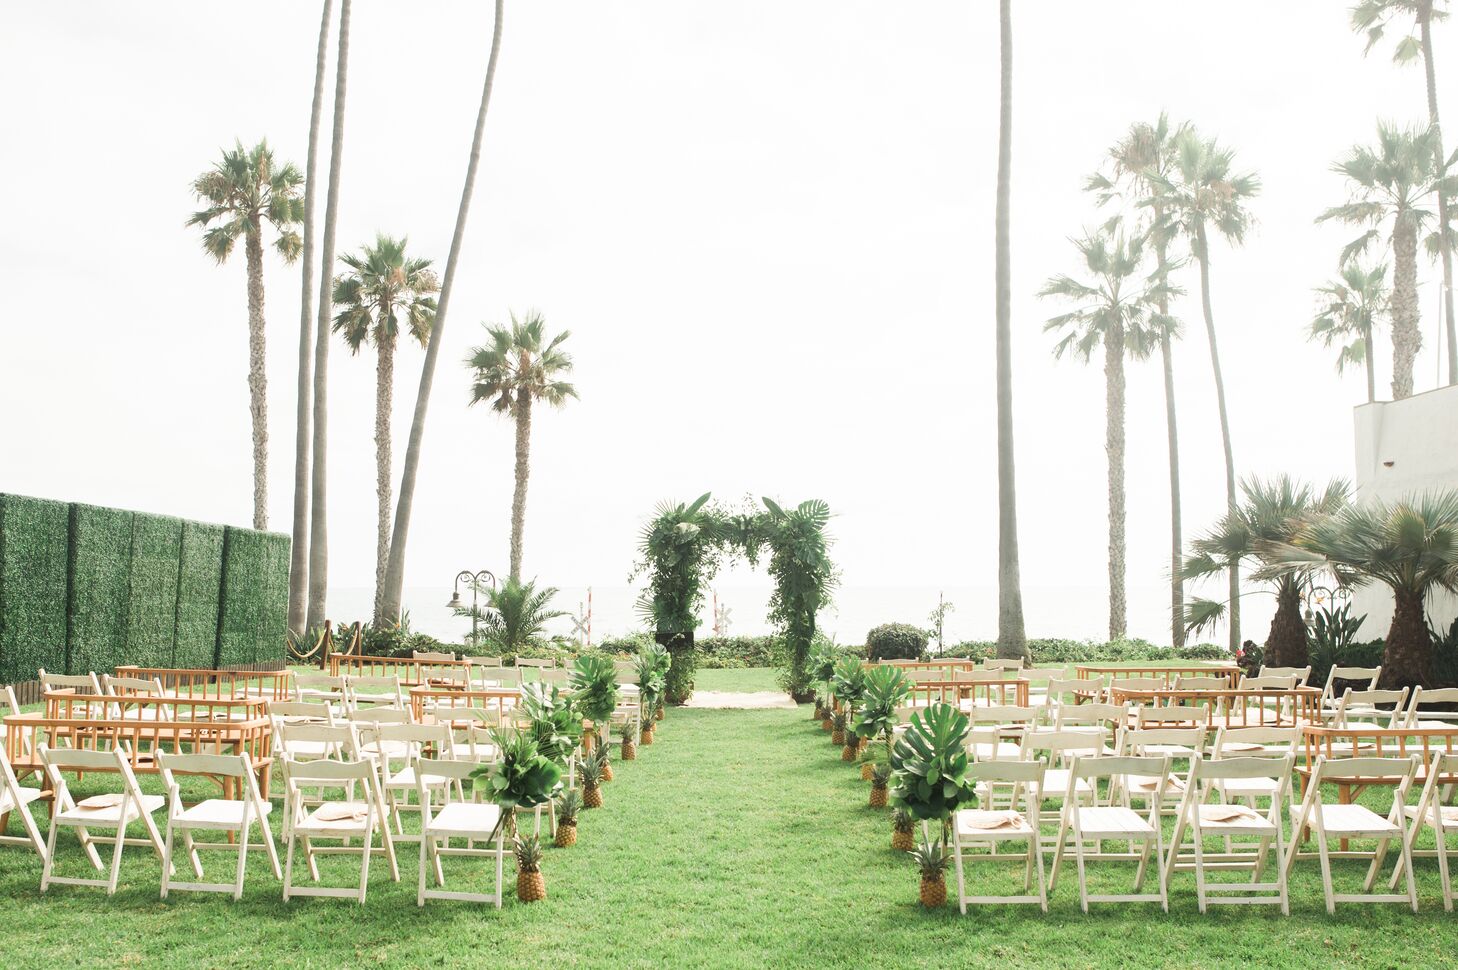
(740, 839)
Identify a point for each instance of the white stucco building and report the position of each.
(1405, 447)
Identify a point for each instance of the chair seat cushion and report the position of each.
(1234, 817)
(325, 818)
(974, 823)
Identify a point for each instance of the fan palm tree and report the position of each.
(517, 368)
(1348, 310)
(1273, 513)
(299, 548)
(395, 575)
(245, 190)
(319, 471)
(1203, 193)
(1117, 311)
(1410, 546)
(383, 285)
(1012, 637)
(1141, 161)
(1374, 17)
(1391, 187)
(516, 614)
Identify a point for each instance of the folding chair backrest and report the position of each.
(1126, 766)
(1275, 741)
(83, 759)
(1019, 772)
(1059, 686)
(1187, 715)
(219, 765)
(1056, 742)
(1363, 678)
(545, 675)
(1302, 674)
(1134, 741)
(1004, 714)
(1402, 769)
(79, 683)
(321, 682)
(451, 769)
(318, 710)
(1139, 683)
(1373, 705)
(133, 686)
(1229, 769)
(1003, 664)
(375, 686)
(379, 715)
(1198, 682)
(539, 664)
(977, 676)
(416, 736)
(12, 706)
(330, 774)
(1445, 696)
(505, 676)
(341, 736)
(431, 655)
(482, 661)
(1270, 682)
(1110, 715)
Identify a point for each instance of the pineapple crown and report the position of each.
(590, 769)
(569, 807)
(840, 720)
(627, 731)
(901, 820)
(528, 854)
(931, 858)
(880, 775)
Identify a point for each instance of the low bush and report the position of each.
(896, 641)
(1058, 651)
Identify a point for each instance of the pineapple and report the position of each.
(658, 714)
(531, 887)
(590, 770)
(628, 737)
(880, 783)
(932, 859)
(604, 754)
(567, 811)
(646, 737)
(837, 733)
(852, 749)
(827, 723)
(902, 827)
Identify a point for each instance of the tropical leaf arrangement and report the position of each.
(884, 689)
(652, 665)
(929, 764)
(556, 723)
(522, 778)
(594, 683)
(849, 682)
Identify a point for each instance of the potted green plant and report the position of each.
(929, 780)
(589, 769)
(885, 689)
(822, 670)
(850, 682)
(556, 724)
(628, 741)
(652, 665)
(522, 777)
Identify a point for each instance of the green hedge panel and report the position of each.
(199, 581)
(101, 556)
(243, 580)
(34, 540)
(273, 620)
(155, 564)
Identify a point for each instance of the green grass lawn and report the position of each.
(739, 839)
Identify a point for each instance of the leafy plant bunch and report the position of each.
(804, 579)
(594, 683)
(522, 778)
(652, 664)
(849, 682)
(821, 669)
(556, 723)
(885, 689)
(515, 615)
(929, 764)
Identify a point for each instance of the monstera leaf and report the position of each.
(594, 683)
(556, 725)
(522, 778)
(929, 764)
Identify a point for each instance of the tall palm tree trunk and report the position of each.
(1425, 23)
(1406, 338)
(1368, 350)
(257, 378)
(1012, 639)
(384, 405)
(1407, 659)
(395, 576)
(1114, 387)
(1286, 643)
(299, 549)
(523, 469)
(1176, 530)
(1203, 254)
(319, 511)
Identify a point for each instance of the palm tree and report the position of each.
(1273, 513)
(1411, 546)
(1012, 638)
(1373, 16)
(382, 286)
(1117, 311)
(319, 473)
(516, 614)
(1202, 192)
(395, 575)
(517, 368)
(1390, 187)
(1141, 161)
(1349, 309)
(244, 190)
(299, 548)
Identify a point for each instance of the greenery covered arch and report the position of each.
(684, 545)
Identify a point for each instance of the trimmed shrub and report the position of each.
(896, 641)
(200, 578)
(34, 547)
(1056, 651)
(242, 597)
(155, 564)
(101, 556)
(273, 618)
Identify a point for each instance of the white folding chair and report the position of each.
(1005, 664)
(1049, 698)
(487, 676)
(1113, 718)
(432, 656)
(405, 745)
(1186, 743)
(15, 800)
(340, 821)
(1006, 721)
(1095, 823)
(373, 692)
(79, 683)
(1233, 821)
(1430, 814)
(368, 721)
(113, 810)
(124, 687)
(978, 827)
(1302, 674)
(1445, 696)
(233, 816)
(333, 691)
(1254, 742)
(457, 818)
(1061, 747)
(1364, 678)
(1353, 821)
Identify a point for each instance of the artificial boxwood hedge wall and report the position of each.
(87, 588)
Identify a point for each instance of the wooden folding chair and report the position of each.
(367, 722)
(457, 818)
(1094, 824)
(1049, 698)
(1061, 747)
(406, 745)
(234, 816)
(1447, 697)
(333, 691)
(1003, 664)
(124, 687)
(976, 827)
(1254, 742)
(1431, 814)
(1113, 718)
(80, 683)
(1231, 821)
(15, 800)
(1364, 678)
(1353, 821)
(372, 692)
(340, 821)
(432, 656)
(1005, 721)
(1302, 674)
(113, 810)
(1183, 743)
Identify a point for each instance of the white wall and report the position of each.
(1405, 447)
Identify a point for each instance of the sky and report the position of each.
(769, 228)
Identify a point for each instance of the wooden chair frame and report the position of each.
(1024, 778)
(251, 808)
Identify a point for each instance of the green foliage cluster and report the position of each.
(555, 718)
(896, 641)
(522, 777)
(929, 764)
(594, 683)
(88, 588)
(1059, 651)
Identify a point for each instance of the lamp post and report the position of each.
(475, 579)
(1319, 596)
